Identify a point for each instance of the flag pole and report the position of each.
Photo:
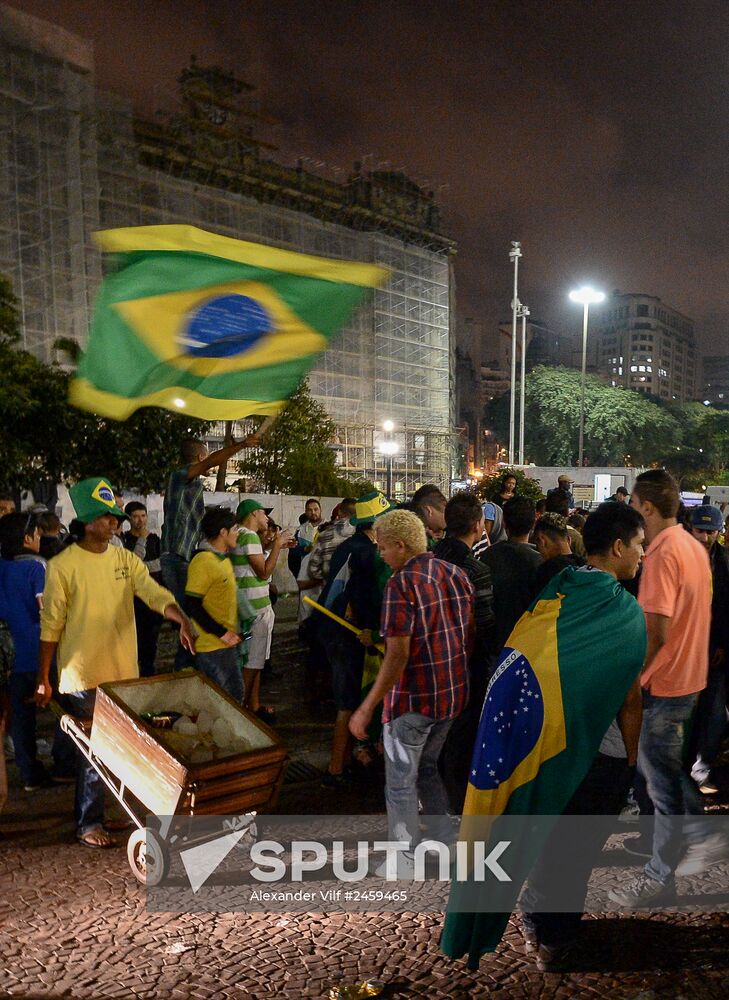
(340, 621)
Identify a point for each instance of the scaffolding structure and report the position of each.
(48, 180)
(75, 160)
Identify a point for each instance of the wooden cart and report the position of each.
(139, 768)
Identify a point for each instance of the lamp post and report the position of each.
(514, 255)
(587, 297)
(388, 449)
(523, 312)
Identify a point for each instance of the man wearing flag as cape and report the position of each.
(568, 670)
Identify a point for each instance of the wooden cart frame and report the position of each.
(147, 777)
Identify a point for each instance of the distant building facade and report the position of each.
(715, 380)
(646, 345)
(74, 160)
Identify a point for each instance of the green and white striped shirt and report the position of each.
(253, 593)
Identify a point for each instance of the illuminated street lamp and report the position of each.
(388, 449)
(587, 297)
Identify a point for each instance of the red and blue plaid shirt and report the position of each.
(432, 602)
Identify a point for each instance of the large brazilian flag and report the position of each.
(207, 325)
(559, 683)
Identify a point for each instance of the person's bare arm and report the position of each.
(630, 717)
(397, 652)
(221, 455)
(187, 631)
(43, 691)
(657, 627)
(264, 567)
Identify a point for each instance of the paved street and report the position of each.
(74, 923)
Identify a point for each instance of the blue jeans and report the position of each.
(21, 687)
(661, 761)
(413, 743)
(89, 804)
(174, 577)
(222, 667)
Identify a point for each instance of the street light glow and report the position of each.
(388, 426)
(587, 296)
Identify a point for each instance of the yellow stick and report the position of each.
(340, 621)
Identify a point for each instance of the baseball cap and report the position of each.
(564, 478)
(92, 498)
(246, 507)
(706, 518)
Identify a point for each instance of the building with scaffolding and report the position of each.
(75, 159)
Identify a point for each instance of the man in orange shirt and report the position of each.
(675, 594)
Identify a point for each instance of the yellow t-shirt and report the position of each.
(88, 609)
(210, 576)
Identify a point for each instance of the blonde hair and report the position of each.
(403, 526)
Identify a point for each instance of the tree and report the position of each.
(43, 437)
(490, 486)
(620, 425)
(295, 456)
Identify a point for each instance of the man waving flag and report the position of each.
(208, 325)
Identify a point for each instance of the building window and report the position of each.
(642, 310)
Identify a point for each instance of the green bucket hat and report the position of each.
(91, 498)
(369, 507)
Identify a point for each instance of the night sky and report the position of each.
(597, 133)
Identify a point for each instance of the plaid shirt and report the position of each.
(432, 602)
(184, 509)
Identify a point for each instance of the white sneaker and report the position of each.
(703, 855)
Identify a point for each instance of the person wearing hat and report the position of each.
(146, 545)
(710, 722)
(354, 588)
(87, 623)
(564, 484)
(252, 574)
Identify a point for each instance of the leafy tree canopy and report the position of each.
(620, 425)
(295, 456)
(43, 437)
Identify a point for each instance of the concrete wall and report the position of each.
(548, 475)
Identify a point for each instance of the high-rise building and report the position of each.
(74, 159)
(715, 380)
(646, 345)
(544, 346)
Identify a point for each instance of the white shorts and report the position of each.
(259, 648)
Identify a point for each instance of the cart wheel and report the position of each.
(148, 857)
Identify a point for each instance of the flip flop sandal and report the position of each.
(106, 842)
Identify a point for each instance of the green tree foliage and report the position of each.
(620, 425)
(295, 456)
(490, 486)
(43, 437)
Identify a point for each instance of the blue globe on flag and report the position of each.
(225, 326)
(514, 714)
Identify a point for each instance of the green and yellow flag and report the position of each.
(560, 681)
(207, 325)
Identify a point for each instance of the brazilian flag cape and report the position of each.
(559, 683)
(207, 325)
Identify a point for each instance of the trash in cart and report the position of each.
(232, 764)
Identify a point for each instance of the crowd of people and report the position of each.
(421, 599)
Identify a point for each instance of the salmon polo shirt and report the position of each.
(676, 582)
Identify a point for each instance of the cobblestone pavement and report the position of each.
(73, 922)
